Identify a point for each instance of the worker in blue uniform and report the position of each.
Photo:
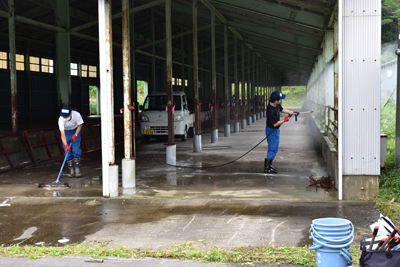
(272, 130)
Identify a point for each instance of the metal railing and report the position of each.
(323, 116)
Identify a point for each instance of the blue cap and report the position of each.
(277, 96)
(65, 111)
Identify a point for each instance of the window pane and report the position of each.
(3, 64)
(20, 58)
(20, 66)
(3, 55)
(34, 60)
(34, 64)
(3, 60)
(93, 71)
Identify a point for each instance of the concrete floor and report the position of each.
(228, 206)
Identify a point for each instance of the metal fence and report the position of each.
(326, 116)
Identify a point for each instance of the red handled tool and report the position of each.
(373, 237)
(381, 243)
(391, 244)
(389, 238)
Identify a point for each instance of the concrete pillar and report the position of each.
(243, 106)
(109, 169)
(153, 59)
(214, 135)
(237, 129)
(13, 68)
(171, 147)
(128, 164)
(63, 54)
(197, 125)
(226, 84)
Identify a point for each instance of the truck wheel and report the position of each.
(191, 132)
(184, 136)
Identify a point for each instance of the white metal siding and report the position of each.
(361, 86)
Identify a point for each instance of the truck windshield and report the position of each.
(158, 102)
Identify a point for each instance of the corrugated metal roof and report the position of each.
(286, 33)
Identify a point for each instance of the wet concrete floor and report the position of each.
(228, 206)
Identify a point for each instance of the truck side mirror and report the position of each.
(140, 107)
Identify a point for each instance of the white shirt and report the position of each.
(71, 123)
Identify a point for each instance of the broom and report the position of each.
(57, 183)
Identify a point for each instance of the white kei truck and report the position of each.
(154, 116)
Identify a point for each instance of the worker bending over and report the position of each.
(70, 125)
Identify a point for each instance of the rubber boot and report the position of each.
(77, 162)
(71, 168)
(270, 168)
(266, 166)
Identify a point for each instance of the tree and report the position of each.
(390, 20)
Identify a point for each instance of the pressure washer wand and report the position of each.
(373, 237)
(298, 113)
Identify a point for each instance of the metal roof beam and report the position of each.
(34, 12)
(118, 15)
(265, 49)
(280, 41)
(283, 27)
(278, 62)
(308, 5)
(282, 37)
(5, 14)
(301, 18)
(284, 59)
(74, 12)
(174, 36)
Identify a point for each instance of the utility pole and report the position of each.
(397, 141)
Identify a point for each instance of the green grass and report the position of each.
(389, 183)
(183, 251)
(295, 96)
(140, 92)
(93, 108)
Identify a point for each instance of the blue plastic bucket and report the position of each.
(332, 258)
(332, 239)
(331, 222)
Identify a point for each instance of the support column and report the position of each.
(153, 58)
(243, 91)
(263, 92)
(237, 129)
(258, 90)
(109, 169)
(183, 65)
(63, 54)
(227, 94)
(133, 84)
(248, 87)
(214, 134)
(253, 89)
(128, 163)
(171, 147)
(13, 68)
(397, 141)
(197, 123)
(28, 79)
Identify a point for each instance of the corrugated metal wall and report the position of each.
(361, 86)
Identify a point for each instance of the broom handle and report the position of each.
(62, 167)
